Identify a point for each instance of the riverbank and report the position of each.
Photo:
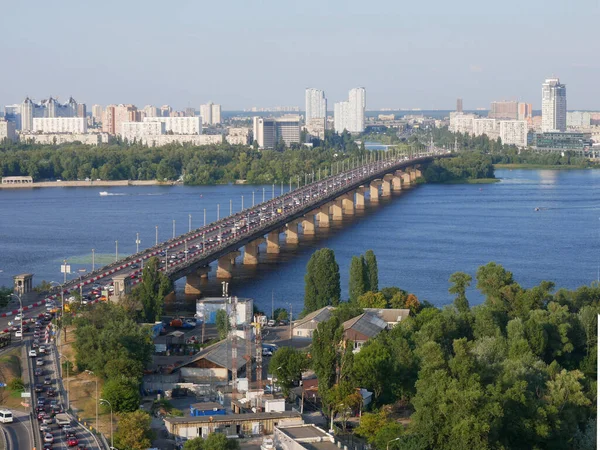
(539, 167)
(473, 181)
(97, 183)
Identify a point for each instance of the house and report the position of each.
(206, 309)
(214, 364)
(304, 328)
(390, 316)
(362, 328)
(303, 437)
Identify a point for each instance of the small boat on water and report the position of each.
(103, 193)
(537, 209)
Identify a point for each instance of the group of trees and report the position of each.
(516, 372)
(468, 165)
(112, 345)
(364, 275)
(209, 164)
(146, 300)
(322, 281)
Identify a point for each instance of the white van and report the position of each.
(6, 416)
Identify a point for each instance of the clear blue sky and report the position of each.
(244, 53)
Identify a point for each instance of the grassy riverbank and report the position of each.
(538, 166)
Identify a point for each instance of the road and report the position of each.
(18, 433)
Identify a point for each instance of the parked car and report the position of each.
(39, 362)
(47, 380)
(32, 354)
(48, 438)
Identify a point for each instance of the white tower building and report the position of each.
(554, 105)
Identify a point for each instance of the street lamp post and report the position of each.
(116, 251)
(68, 380)
(204, 216)
(89, 372)
(137, 242)
(190, 223)
(230, 207)
(173, 228)
(102, 400)
(388, 444)
(93, 259)
(156, 234)
(218, 211)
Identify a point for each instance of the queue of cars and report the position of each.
(54, 425)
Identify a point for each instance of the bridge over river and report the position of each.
(301, 211)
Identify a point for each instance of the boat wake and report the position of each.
(105, 194)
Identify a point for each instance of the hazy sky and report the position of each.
(243, 53)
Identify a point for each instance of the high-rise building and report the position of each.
(579, 120)
(12, 113)
(68, 125)
(151, 111)
(97, 113)
(47, 108)
(459, 105)
(216, 114)
(350, 115)
(504, 110)
(525, 111)
(269, 131)
(81, 111)
(514, 132)
(165, 111)
(316, 104)
(114, 116)
(210, 113)
(554, 106)
(190, 112)
(7, 131)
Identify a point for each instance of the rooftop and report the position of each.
(367, 324)
(306, 431)
(220, 353)
(314, 318)
(389, 315)
(234, 417)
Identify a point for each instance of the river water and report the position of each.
(420, 237)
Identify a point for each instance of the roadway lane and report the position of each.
(18, 433)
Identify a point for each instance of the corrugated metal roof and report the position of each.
(220, 353)
(367, 324)
(314, 318)
(390, 315)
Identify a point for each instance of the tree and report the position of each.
(357, 281)
(372, 271)
(214, 441)
(134, 431)
(460, 282)
(326, 353)
(371, 366)
(491, 278)
(222, 322)
(288, 365)
(372, 300)
(280, 314)
(322, 281)
(123, 394)
(152, 291)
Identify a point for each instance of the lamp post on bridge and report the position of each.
(242, 203)
(137, 242)
(230, 207)
(173, 228)
(93, 260)
(263, 194)
(218, 211)
(189, 223)
(116, 252)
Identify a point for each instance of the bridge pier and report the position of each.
(193, 281)
(396, 182)
(251, 252)
(336, 210)
(374, 190)
(291, 232)
(418, 173)
(348, 204)
(308, 226)
(360, 198)
(386, 185)
(273, 242)
(224, 267)
(323, 217)
(406, 182)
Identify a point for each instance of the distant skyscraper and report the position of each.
(210, 113)
(504, 110)
(165, 111)
(81, 110)
(316, 104)
(269, 131)
(97, 113)
(554, 105)
(114, 116)
(47, 108)
(525, 111)
(190, 112)
(350, 115)
(459, 106)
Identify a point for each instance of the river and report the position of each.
(420, 237)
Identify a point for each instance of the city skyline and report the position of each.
(461, 57)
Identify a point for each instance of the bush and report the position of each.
(16, 384)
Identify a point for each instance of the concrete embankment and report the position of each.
(103, 183)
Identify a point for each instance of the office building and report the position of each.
(579, 120)
(562, 141)
(47, 108)
(8, 131)
(459, 105)
(97, 111)
(504, 110)
(525, 111)
(513, 132)
(554, 106)
(210, 113)
(179, 125)
(264, 132)
(66, 125)
(316, 104)
(350, 115)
